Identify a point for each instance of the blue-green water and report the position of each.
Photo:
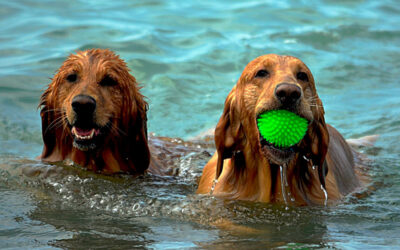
(187, 56)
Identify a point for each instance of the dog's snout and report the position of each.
(288, 94)
(83, 104)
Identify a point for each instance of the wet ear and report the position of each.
(47, 115)
(321, 138)
(137, 149)
(323, 141)
(140, 151)
(318, 139)
(227, 131)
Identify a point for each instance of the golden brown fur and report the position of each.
(118, 122)
(246, 169)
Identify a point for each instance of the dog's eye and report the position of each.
(108, 81)
(72, 77)
(262, 73)
(302, 76)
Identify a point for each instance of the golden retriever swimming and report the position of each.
(93, 114)
(319, 169)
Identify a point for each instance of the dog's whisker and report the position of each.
(111, 116)
(53, 110)
(315, 105)
(54, 123)
(61, 123)
(116, 130)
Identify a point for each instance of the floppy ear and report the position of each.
(321, 143)
(48, 118)
(318, 139)
(227, 131)
(136, 147)
(140, 151)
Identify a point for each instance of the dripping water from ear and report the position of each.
(284, 184)
(325, 194)
(314, 167)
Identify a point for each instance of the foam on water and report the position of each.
(66, 187)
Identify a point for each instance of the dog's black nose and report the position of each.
(83, 105)
(288, 94)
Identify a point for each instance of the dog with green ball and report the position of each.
(272, 142)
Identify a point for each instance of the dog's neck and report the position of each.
(259, 180)
(107, 159)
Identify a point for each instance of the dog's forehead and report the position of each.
(100, 58)
(274, 63)
(92, 55)
(274, 60)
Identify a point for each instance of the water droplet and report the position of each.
(215, 181)
(136, 207)
(326, 195)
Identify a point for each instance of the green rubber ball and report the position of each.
(282, 128)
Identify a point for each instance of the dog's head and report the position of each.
(93, 103)
(271, 82)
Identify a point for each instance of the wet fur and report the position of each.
(120, 108)
(245, 172)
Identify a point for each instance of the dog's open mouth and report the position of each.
(85, 138)
(85, 134)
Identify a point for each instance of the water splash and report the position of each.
(326, 195)
(290, 196)
(215, 181)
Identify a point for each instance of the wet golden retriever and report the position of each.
(93, 114)
(319, 169)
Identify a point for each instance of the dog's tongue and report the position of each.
(85, 132)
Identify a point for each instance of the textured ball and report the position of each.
(282, 128)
